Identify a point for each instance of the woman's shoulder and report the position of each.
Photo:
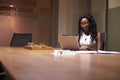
(99, 34)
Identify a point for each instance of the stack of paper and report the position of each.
(84, 52)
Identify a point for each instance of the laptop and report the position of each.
(69, 42)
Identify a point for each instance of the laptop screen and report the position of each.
(69, 42)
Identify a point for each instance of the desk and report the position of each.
(23, 64)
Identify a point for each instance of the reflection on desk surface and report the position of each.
(24, 64)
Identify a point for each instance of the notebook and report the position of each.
(69, 42)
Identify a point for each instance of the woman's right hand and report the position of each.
(86, 48)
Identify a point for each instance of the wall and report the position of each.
(113, 4)
(69, 12)
(5, 30)
(65, 23)
(99, 13)
(113, 39)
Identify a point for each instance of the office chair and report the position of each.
(103, 40)
(20, 39)
(2, 73)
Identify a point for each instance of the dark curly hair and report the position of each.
(93, 27)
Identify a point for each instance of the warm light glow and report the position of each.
(11, 5)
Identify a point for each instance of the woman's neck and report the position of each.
(87, 32)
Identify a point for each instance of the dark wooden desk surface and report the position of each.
(23, 64)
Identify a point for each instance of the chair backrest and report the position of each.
(21, 39)
(103, 40)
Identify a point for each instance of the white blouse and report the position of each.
(85, 40)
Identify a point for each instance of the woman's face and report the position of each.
(85, 24)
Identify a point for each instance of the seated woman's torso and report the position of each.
(85, 40)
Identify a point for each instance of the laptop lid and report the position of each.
(69, 42)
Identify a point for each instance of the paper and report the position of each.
(89, 52)
(84, 52)
(108, 52)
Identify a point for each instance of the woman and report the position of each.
(89, 38)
